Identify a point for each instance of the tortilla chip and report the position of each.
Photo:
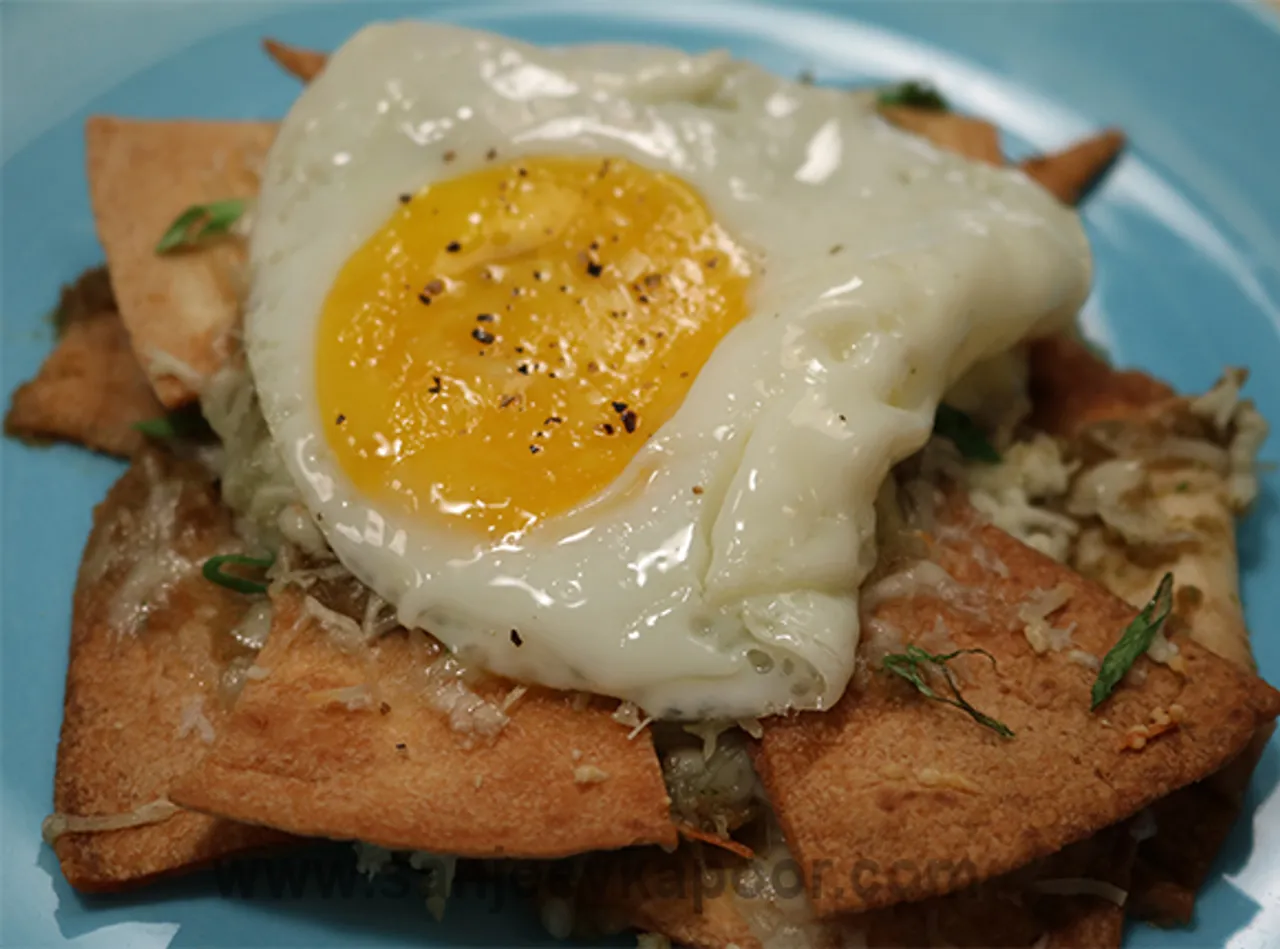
(912, 798)
(1191, 827)
(1074, 389)
(181, 309)
(90, 389)
(962, 134)
(304, 64)
(687, 896)
(393, 771)
(1068, 174)
(709, 902)
(140, 702)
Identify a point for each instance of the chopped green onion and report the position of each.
(914, 95)
(964, 433)
(200, 222)
(214, 573)
(186, 422)
(1135, 640)
(909, 665)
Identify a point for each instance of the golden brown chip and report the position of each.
(305, 64)
(961, 134)
(382, 745)
(687, 896)
(90, 389)
(1068, 174)
(913, 798)
(1073, 390)
(149, 645)
(1072, 387)
(1068, 900)
(180, 308)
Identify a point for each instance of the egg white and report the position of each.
(886, 270)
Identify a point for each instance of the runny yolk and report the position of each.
(499, 351)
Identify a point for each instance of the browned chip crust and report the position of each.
(961, 134)
(920, 800)
(305, 64)
(128, 693)
(397, 774)
(1068, 174)
(90, 389)
(706, 901)
(1074, 389)
(1010, 911)
(180, 308)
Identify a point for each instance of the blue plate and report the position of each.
(1186, 232)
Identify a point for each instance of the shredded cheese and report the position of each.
(153, 812)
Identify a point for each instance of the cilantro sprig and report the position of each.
(913, 94)
(213, 572)
(1135, 641)
(913, 665)
(201, 222)
(964, 433)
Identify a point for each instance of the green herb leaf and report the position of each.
(914, 95)
(913, 665)
(1135, 640)
(964, 433)
(186, 422)
(200, 222)
(214, 573)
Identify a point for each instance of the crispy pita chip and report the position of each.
(148, 651)
(90, 389)
(708, 902)
(180, 308)
(1068, 174)
(304, 64)
(1072, 387)
(359, 745)
(1071, 899)
(950, 131)
(687, 896)
(1073, 390)
(917, 799)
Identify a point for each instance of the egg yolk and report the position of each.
(499, 351)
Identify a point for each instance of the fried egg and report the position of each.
(591, 361)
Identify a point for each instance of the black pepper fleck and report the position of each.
(424, 298)
(619, 407)
(491, 154)
(406, 198)
(484, 317)
(480, 336)
(384, 708)
(435, 385)
(594, 269)
(843, 419)
(515, 638)
(522, 172)
(653, 280)
(523, 369)
(453, 247)
(341, 418)
(534, 449)
(629, 421)
(401, 746)
(836, 248)
(552, 420)
(606, 428)
(450, 155)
